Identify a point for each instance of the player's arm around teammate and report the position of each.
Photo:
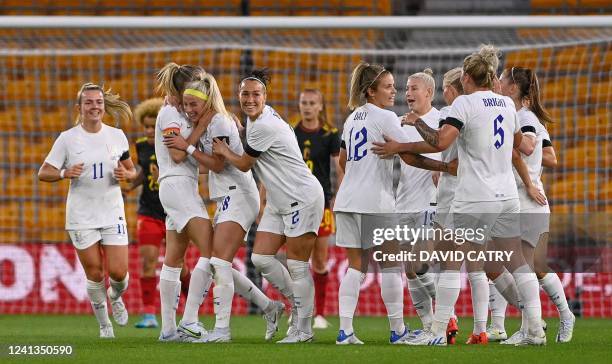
(96, 158)
(295, 201)
(187, 218)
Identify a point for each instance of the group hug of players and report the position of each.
(480, 159)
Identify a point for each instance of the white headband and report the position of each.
(255, 79)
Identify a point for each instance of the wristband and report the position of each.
(190, 149)
(62, 172)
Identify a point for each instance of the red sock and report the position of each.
(185, 283)
(149, 294)
(320, 283)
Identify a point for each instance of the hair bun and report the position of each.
(428, 71)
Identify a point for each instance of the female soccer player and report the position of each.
(320, 144)
(366, 194)
(295, 200)
(486, 198)
(521, 84)
(237, 200)
(187, 218)
(151, 228)
(96, 158)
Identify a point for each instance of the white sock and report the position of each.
(392, 292)
(428, 280)
(97, 295)
(551, 284)
(506, 286)
(199, 284)
(480, 300)
(223, 292)
(529, 289)
(169, 291)
(447, 292)
(497, 305)
(421, 301)
(348, 295)
(272, 270)
(303, 293)
(117, 288)
(250, 292)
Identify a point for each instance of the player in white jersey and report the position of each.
(486, 199)
(521, 84)
(295, 201)
(237, 198)
(96, 158)
(365, 199)
(187, 218)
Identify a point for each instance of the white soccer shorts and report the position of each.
(181, 200)
(491, 219)
(108, 235)
(241, 208)
(297, 223)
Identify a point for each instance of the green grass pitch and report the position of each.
(592, 343)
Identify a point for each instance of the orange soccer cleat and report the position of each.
(451, 331)
(480, 339)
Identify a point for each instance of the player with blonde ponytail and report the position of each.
(96, 158)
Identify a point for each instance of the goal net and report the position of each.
(41, 71)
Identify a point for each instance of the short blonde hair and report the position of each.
(427, 77)
(148, 108)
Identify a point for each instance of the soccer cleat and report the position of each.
(494, 334)
(344, 339)
(427, 338)
(298, 337)
(544, 325)
(398, 339)
(451, 331)
(219, 336)
(514, 339)
(480, 339)
(532, 340)
(566, 330)
(272, 319)
(106, 332)
(192, 332)
(148, 321)
(120, 314)
(320, 323)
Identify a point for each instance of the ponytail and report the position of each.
(364, 77)
(171, 79)
(529, 90)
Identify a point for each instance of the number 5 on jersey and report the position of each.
(356, 146)
(498, 131)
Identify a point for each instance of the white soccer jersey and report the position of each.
(367, 186)
(487, 123)
(447, 182)
(169, 117)
(416, 190)
(290, 186)
(531, 125)
(94, 199)
(231, 180)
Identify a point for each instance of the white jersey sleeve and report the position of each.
(58, 155)
(528, 122)
(167, 118)
(260, 137)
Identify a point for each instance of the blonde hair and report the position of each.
(148, 108)
(453, 78)
(480, 70)
(427, 77)
(491, 54)
(208, 86)
(323, 114)
(171, 79)
(113, 104)
(365, 76)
